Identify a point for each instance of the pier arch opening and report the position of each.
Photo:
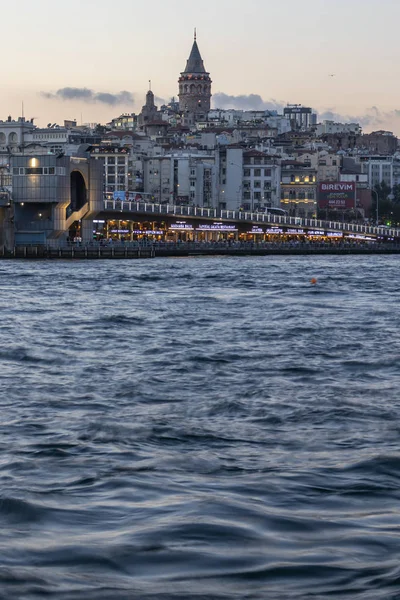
(78, 191)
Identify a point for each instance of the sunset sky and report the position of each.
(280, 51)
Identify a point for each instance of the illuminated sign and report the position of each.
(316, 232)
(334, 234)
(181, 225)
(255, 230)
(120, 231)
(336, 194)
(147, 232)
(295, 231)
(357, 236)
(276, 230)
(217, 227)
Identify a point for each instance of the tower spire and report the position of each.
(195, 34)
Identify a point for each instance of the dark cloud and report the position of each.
(372, 118)
(87, 95)
(246, 102)
(160, 101)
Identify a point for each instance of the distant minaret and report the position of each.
(195, 86)
(149, 112)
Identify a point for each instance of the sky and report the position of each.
(91, 60)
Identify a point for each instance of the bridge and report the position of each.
(126, 210)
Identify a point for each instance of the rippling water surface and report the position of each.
(200, 428)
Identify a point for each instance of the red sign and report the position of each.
(337, 194)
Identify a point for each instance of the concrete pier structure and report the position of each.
(55, 197)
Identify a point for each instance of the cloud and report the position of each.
(372, 117)
(160, 101)
(87, 95)
(246, 102)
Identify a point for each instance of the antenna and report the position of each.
(195, 34)
(22, 109)
(149, 85)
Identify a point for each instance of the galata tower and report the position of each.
(194, 88)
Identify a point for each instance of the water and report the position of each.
(200, 428)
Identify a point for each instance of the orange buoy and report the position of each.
(313, 281)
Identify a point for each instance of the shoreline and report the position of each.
(186, 251)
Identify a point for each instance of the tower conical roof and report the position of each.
(195, 63)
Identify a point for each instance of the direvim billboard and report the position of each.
(336, 194)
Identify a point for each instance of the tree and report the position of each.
(389, 203)
(396, 194)
(383, 190)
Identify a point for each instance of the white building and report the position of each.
(13, 134)
(246, 118)
(327, 127)
(378, 168)
(326, 163)
(181, 178)
(249, 179)
(23, 136)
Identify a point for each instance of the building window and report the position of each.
(257, 195)
(246, 173)
(267, 172)
(246, 196)
(257, 172)
(257, 184)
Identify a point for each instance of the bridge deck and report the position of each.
(131, 209)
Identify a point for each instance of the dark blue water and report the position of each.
(200, 428)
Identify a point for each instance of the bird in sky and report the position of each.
(331, 74)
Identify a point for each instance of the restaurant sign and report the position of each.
(181, 226)
(217, 227)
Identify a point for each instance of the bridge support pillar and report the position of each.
(87, 230)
